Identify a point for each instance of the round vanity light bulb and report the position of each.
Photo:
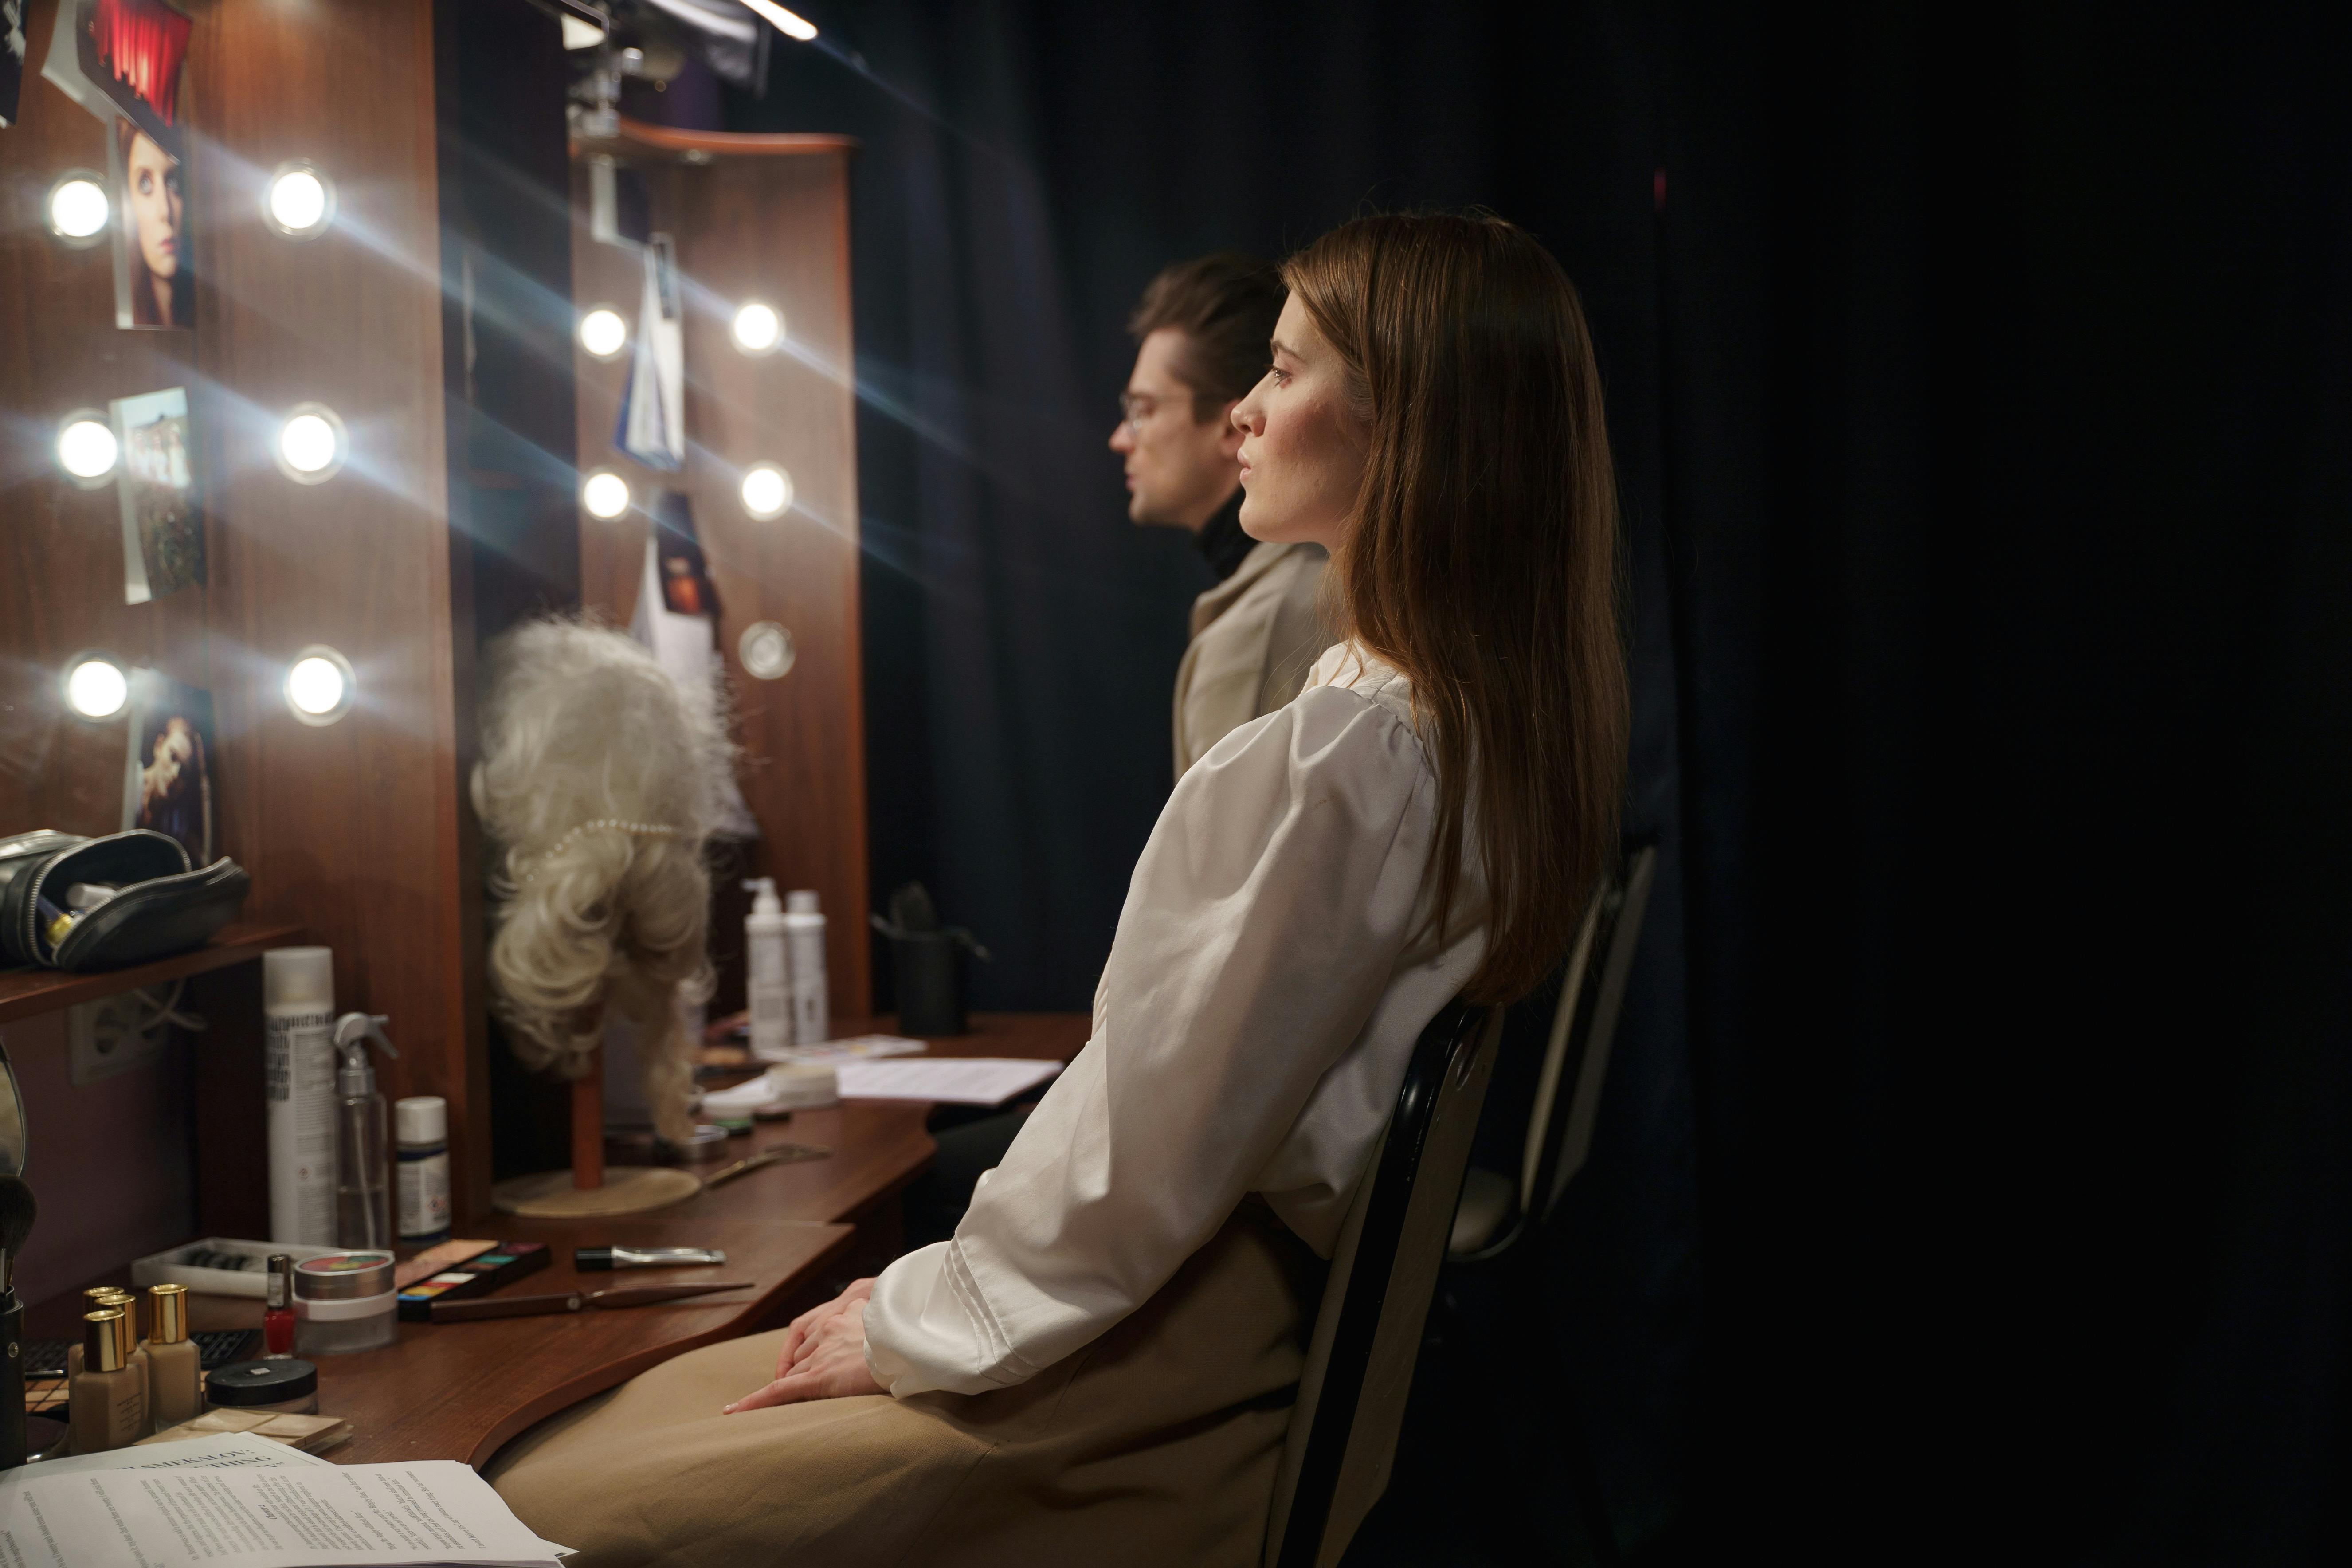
(759, 328)
(766, 650)
(605, 494)
(767, 491)
(307, 445)
(603, 333)
(77, 207)
(96, 688)
(86, 447)
(299, 201)
(318, 685)
(314, 686)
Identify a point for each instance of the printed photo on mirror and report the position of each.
(168, 786)
(162, 523)
(132, 52)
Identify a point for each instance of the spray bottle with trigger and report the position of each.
(363, 1143)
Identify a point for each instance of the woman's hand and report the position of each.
(798, 1339)
(823, 1356)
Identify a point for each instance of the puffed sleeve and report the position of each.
(1268, 910)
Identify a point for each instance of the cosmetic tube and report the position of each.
(175, 1373)
(109, 1394)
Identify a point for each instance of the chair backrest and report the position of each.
(1385, 1269)
(1584, 1031)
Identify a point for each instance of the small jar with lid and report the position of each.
(345, 1303)
(278, 1385)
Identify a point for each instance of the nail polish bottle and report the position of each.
(277, 1315)
(109, 1394)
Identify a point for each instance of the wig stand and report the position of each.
(591, 1188)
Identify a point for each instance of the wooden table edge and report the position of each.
(595, 1380)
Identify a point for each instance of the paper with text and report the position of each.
(969, 1080)
(324, 1516)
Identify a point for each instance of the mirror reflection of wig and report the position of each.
(154, 203)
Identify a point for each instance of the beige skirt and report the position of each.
(1157, 1444)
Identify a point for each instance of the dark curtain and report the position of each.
(1972, 1173)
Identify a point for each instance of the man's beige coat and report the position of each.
(1254, 637)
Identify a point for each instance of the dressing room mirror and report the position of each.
(12, 1120)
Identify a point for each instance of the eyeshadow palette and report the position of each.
(502, 1264)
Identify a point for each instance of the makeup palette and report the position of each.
(504, 1263)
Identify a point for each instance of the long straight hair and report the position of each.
(1481, 557)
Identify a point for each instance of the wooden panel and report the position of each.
(459, 1391)
(61, 546)
(349, 830)
(765, 217)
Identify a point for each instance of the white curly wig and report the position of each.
(599, 784)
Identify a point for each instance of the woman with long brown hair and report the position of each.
(1099, 1365)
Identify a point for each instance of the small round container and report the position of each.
(345, 1303)
(278, 1385)
(803, 1085)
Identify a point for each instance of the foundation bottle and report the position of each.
(134, 1351)
(93, 1299)
(175, 1376)
(109, 1394)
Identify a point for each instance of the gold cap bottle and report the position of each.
(167, 1315)
(116, 1295)
(106, 1340)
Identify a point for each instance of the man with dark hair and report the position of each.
(1202, 331)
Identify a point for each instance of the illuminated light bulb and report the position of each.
(314, 686)
(758, 328)
(767, 491)
(785, 22)
(77, 207)
(96, 688)
(603, 333)
(87, 448)
(318, 685)
(605, 494)
(297, 201)
(308, 444)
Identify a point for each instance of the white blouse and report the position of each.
(1271, 970)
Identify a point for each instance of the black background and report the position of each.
(1973, 1176)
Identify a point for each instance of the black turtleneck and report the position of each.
(1221, 540)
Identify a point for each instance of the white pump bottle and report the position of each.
(769, 993)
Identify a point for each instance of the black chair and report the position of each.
(1499, 1209)
(1384, 1268)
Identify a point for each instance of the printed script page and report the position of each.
(434, 1511)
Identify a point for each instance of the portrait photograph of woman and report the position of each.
(132, 52)
(152, 198)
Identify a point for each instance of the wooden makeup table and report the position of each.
(460, 1390)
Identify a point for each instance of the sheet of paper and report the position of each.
(969, 1080)
(230, 1452)
(327, 1516)
(859, 1049)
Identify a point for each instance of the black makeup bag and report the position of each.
(162, 906)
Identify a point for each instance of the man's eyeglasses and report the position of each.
(1134, 408)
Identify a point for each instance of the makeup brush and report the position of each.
(18, 1210)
